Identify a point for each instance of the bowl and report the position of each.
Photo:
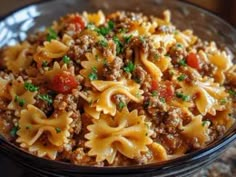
(17, 25)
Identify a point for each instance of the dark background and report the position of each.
(224, 166)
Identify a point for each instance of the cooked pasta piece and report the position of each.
(126, 133)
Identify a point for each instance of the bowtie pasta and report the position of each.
(115, 90)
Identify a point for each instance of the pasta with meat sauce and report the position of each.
(114, 90)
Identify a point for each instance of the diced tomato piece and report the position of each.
(64, 82)
(193, 61)
(167, 92)
(154, 85)
(78, 21)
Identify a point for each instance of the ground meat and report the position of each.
(177, 53)
(113, 71)
(139, 74)
(155, 106)
(208, 69)
(120, 101)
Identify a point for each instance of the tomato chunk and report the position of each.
(64, 82)
(78, 21)
(154, 85)
(193, 61)
(167, 92)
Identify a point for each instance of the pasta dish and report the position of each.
(115, 90)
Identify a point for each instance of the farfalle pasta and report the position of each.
(115, 89)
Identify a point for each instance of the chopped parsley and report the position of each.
(44, 64)
(141, 38)
(45, 97)
(20, 101)
(111, 25)
(154, 93)
(58, 130)
(156, 56)
(91, 26)
(103, 43)
(128, 38)
(119, 46)
(31, 87)
(14, 131)
(130, 67)
(182, 62)
(232, 92)
(163, 100)
(51, 34)
(223, 101)
(66, 59)
(106, 30)
(146, 104)
(121, 105)
(179, 45)
(205, 122)
(181, 77)
(123, 30)
(93, 75)
(182, 96)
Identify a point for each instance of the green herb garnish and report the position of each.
(66, 59)
(182, 62)
(20, 101)
(163, 100)
(31, 87)
(182, 96)
(111, 25)
(103, 43)
(58, 130)
(141, 38)
(93, 75)
(121, 105)
(179, 45)
(232, 92)
(223, 101)
(119, 45)
(181, 77)
(45, 97)
(154, 93)
(44, 64)
(128, 38)
(51, 34)
(14, 131)
(130, 67)
(205, 122)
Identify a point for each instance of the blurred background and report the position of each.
(224, 8)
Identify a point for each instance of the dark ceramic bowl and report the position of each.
(16, 26)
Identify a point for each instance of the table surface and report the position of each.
(225, 166)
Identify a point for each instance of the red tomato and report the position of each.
(167, 92)
(64, 82)
(154, 85)
(193, 61)
(78, 22)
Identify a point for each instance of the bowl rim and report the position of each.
(228, 138)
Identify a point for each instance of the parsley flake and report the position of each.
(30, 87)
(121, 105)
(20, 101)
(44, 64)
(14, 131)
(51, 34)
(103, 43)
(181, 77)
(154, 93)
(223, 101)
(119, 46)
(45, 97)
(182, 62)
(163, 100)
(58, 130)
(130, 67)
(93, 75)
(128, 38)
(66, 59)
(232, 92)
(182, 96)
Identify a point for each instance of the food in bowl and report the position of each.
(115, 90)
